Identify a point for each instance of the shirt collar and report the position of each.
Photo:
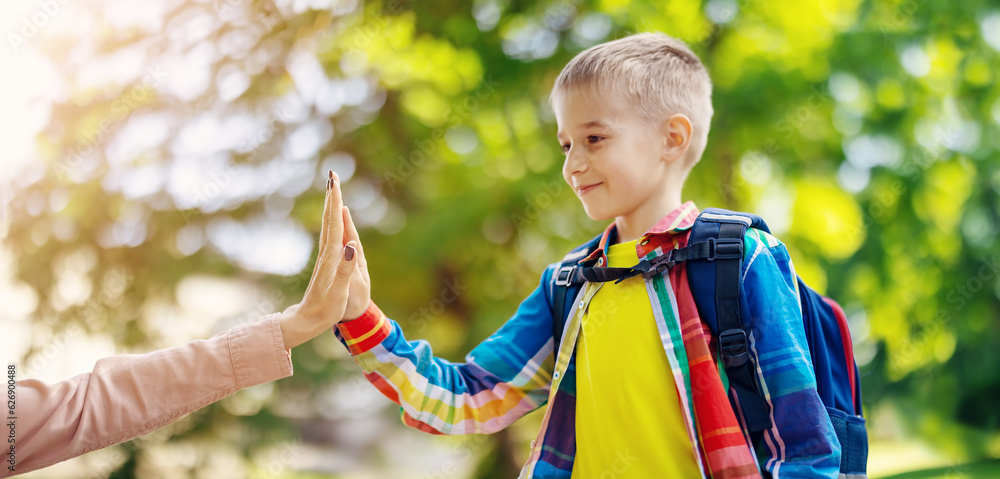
(680, 219)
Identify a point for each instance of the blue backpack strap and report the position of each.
(715, 283)
(560, 290)
(565, 283)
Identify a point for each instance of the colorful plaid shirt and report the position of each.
(514, 371)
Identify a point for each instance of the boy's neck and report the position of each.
(635, 224)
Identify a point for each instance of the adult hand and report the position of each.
(326, 298)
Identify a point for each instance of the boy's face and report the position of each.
(614, 157)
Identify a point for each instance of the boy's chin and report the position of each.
(598, 214)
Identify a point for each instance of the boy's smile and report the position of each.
(582, 190)
(619, 164)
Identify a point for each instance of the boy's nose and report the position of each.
(574, 164)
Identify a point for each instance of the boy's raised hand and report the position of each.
(326, 298)
(361, 286)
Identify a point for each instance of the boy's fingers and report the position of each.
(352, 234)
(345, 269)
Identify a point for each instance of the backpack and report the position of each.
(714, 256)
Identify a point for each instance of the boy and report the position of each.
(634, 389)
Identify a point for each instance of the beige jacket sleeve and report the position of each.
(129, 395)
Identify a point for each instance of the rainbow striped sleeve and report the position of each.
(365, 332)
(502, 379)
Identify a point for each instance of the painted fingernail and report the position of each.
(328, 184)
(331, 175)
(350, 252)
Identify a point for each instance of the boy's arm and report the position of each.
(504, 377)
(801, 441)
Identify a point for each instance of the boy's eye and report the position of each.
(590, 139)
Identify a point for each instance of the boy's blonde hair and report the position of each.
(659, 74)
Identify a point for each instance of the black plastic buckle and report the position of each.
(724, 248)
(733, 343)
(563, 279)
(660, 264)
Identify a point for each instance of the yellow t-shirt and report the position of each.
(629, 422)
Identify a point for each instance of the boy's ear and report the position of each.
(676, 134)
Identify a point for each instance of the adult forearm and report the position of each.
(129, 395)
